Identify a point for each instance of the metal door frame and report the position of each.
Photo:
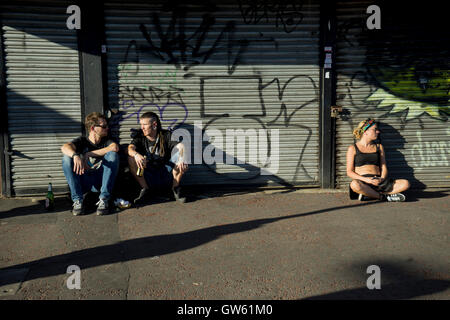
(5, 170)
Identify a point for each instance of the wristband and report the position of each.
(135, 155)
(75, 154)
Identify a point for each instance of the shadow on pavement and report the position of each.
(146, 247)
(416, 195)
(27, 207)
(392, 291)
(397, 282)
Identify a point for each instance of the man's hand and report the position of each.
(78, 165)
(181, 167)
(141, 161)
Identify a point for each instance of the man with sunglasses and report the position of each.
(91, 163)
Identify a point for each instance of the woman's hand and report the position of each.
(374, 181)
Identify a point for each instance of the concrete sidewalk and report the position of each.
(277, 244)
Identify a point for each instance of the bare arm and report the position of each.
(383, 166)
(181, 166)
(180, 147)
(69, 150)
(139, 158)
(131, 150)
(101, 152)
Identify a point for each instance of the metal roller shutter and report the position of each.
(43, 92)
(399, 75)
(231, 66)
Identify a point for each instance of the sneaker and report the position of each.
(77, 208)
(396, 197)
(102, 207)
(177, 194)
(142, 195)
(122, 203)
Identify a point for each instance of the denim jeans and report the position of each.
(103, 178)
(173, 161)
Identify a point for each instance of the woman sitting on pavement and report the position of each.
(366, 165)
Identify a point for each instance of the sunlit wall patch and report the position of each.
(414, 108)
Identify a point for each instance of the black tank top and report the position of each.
(362, 159)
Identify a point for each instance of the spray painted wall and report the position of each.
(398, 74)
(241, 77)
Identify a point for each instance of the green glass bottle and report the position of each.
(50, 199)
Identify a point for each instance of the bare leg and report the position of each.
(180, 168)
(177, 175)
(133, 168)
(362, 188)
(400, 185)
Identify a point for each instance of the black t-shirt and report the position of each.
(83, 145)
(146, 147)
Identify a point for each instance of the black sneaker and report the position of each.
(177, 194)
(102, 207)
(396, 197)
(77, 208)
(141, 197)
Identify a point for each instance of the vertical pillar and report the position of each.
(90, 38)
(5, 172)
(327, 93)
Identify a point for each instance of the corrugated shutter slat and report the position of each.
(43, 92)
(398, 75)
(221, 65)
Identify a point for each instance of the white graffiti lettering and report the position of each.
(430, 153)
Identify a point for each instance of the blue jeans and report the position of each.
(103, 178)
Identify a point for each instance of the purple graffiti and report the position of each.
(172, 122)
(162, 109)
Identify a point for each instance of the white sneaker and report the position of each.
(102, 207)
(396, 197)
(77, 208)
(122, 203)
